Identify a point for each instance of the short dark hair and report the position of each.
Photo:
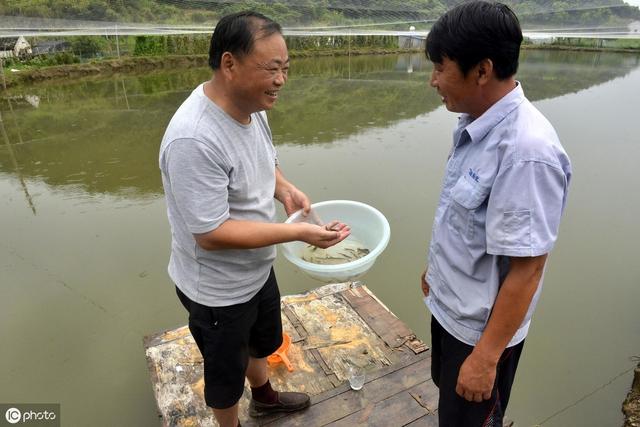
(477, 30)
(237, 32)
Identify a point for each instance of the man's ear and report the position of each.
(227, 63)
(484, 71)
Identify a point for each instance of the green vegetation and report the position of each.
(584, 13)
(341, 42)
(80, 47)
(316, 12)
(106, 10)
(60, 58)
(140, 52)
(309, 13)
(171, 45)
(87, 46)
(630, 44)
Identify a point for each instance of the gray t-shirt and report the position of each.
(215, 168)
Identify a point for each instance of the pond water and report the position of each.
(84, 239)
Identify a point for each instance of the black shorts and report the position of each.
(447, 356)
(227, 336)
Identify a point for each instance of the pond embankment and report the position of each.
(631, 406)
(104, 67)
(581, 48)
(138, 64)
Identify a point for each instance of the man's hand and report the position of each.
(293, 200)
(476, 378)
(324, 236)
(423, 283)
(478, 372)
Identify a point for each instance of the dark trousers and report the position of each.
(448, 354)
(228, 336)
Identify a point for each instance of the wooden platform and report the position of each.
(331, 327)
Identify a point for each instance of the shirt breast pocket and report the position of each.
(466, 199)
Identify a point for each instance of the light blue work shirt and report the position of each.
(504, 191)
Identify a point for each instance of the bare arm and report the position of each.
(288, 194)
(239, 234)
(478, 372)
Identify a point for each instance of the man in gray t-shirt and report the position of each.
(220, 175)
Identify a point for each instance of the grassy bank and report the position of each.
(95, 56)
(588, 44)
(102, 68)
(581, 48)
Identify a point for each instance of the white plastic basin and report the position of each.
(368, 226)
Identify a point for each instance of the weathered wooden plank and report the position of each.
(402, 408)
(425, 421)
(321, 362)
(147, 342)
(428, 399)
(426, 395)
(416, 345)
(382, 320)
(344, 387)
(292, 325)
(308, 375)
(391, 329)
(339, 336)
(178, 385)
(328, 335)
(397, 410)
(166, 336)
(335, 288)
(348, 402)
(335, 337)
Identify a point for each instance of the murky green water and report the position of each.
(84, 240)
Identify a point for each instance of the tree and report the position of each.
(88, 46)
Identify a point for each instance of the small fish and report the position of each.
(342, 253)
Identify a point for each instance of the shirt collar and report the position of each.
(480, 127)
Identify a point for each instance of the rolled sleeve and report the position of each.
(199, 184)
(524, 209)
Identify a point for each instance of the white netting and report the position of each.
(608, 19)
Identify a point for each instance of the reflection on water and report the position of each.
(12, 156)
(101, 134)
(85, 241)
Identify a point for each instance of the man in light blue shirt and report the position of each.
(498, 216)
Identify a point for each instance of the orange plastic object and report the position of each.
(280, 355)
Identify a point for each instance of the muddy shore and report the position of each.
(103, 68)
(631, 406)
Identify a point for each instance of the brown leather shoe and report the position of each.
(288, 401)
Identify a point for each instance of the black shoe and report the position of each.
(288, 401)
